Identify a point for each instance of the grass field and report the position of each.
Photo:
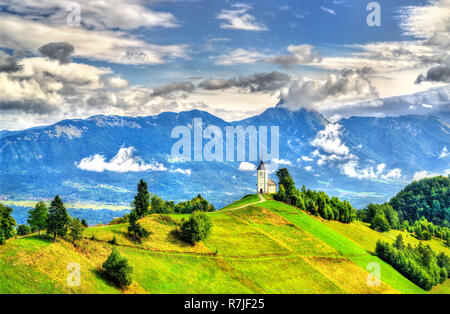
(267, 247)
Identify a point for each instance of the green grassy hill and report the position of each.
(254, 247)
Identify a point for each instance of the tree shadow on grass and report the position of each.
(42, 238)
(99, 274)
(175, 237)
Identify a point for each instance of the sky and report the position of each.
(74, 59)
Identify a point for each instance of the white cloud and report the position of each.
(239, 56)
(309, 168)
(117, 82)
(306, 158)
(104, 45)
(444, 153)
(328, 10)
(124, 161)
(329, 140)
(342, 86)
(425, 174)
(187, 172)
(302, 54)
(239, 18)
(428, 22)
(97, 14)
(246, 166)
(352, 170)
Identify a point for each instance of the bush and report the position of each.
(119, 220)
(2, 238)
(84, 223)
(117, 269)
(113, 241)
(196, 228)
(380, 223)
(23, 230)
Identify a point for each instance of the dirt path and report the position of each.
(262, 200)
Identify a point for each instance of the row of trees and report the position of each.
(193, 230)
(424, 230)
(381, 217)
(419, 264)
(316, 203)
(55, 220)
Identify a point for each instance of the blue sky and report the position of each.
(232, 58)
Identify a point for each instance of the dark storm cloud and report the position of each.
(60, 51)
(258, 82)
(8, 63)
(165, 90)
(30, 106)
(439, 73)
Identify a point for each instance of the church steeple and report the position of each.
(262, 165)
(262, 178)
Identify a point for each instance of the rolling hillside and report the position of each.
(255, 247)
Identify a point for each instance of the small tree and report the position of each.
(7, 223)
(84, 223)
(135, 230)
(23, 230)
(117, 269)
(142, 199)
(37, 217)
(76, 230)
(380, 223)
(399, 243)
(196, 228)
(58, 218)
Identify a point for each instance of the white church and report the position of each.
(265, 185)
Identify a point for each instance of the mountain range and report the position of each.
(101, 158)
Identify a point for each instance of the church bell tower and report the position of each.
(262, 178)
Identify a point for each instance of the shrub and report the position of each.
(2, 237)
(119, 220)
(113, 241)
(196, 228)
(23, 230)
(380, 223)
(117, 269)
(84, 223)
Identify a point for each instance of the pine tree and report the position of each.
(37, 217)
(142, 199)
(117, 269)
(58, 218)
(135, 230)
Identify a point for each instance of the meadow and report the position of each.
(267, 247)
